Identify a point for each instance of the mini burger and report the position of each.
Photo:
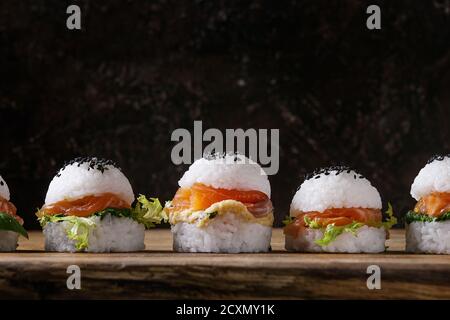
(428, 224)
(89, 208)
(337, 210)
(223, 205)
(10, 222)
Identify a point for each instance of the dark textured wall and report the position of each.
(376, 100)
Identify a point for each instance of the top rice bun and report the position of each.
(4, 190)
(88, 176)
(434, 177)
(335, 187)
(227, 171)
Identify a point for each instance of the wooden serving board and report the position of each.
(160, 273)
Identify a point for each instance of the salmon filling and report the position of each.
(9, 208)
(434, 204)
(338, 217)
(86, 206)
(200, 197)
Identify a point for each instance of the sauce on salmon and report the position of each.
(434, 204)
(86, 206)
(200, 197)
(9, 208)
(336, 216)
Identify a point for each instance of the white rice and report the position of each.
(4, 190)
(224, 172)
(8, 241)
(224, 234)
(428, 237)
(111, 234)
(367, 240)
(336, 191)
(77, 180)
(434, 177)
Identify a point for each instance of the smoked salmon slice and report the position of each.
(86, 206)
(201, 197)
(434, 204)
(336, 216)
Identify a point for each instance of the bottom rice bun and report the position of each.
(337, 210)
(10, 222)
(428, 225)
(223, 205)
(88, 207)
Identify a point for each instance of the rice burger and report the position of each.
(10, 223)
(428, 225)
(88, 207)
(223, 205)
(337, 210)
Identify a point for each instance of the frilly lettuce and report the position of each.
(331, 232)
(77, 228)
(391, 220)
(311, 223)
(149, 212)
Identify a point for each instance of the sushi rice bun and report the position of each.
(10, 222)
(88, 208)
(336, 210)
(428, 224)
(223, 205)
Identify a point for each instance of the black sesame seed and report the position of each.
(438, 157)
(332, 169)
(93, 163)
(222, 155)
(327, 170)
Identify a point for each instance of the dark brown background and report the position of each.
(376, 100)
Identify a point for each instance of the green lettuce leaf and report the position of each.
(149, 212)
(311, 223)
(288, 220)
(331, 232)
(391, 220)
(8, 223)
(79, 231)
(412, 216)
(77, 228)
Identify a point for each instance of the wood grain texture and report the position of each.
(160, 273)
